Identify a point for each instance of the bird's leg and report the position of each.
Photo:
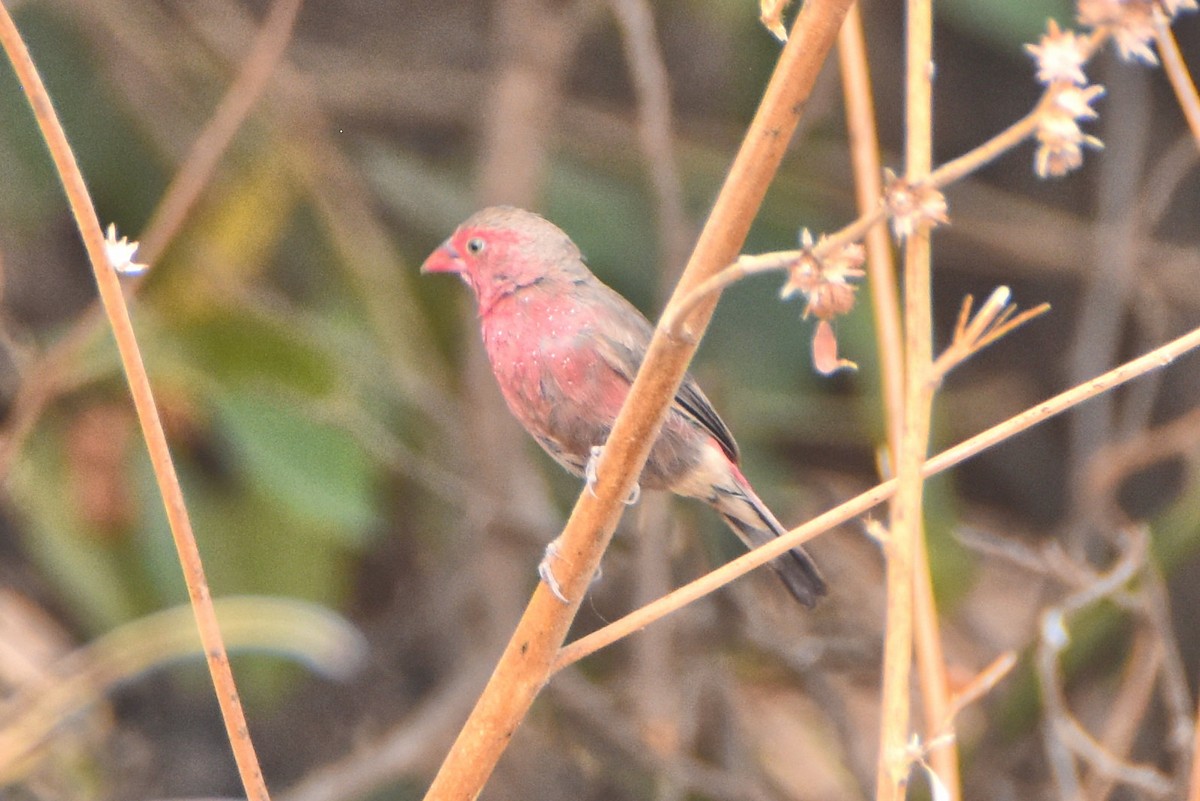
(547, 573)
(589, 473)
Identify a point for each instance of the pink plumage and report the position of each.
(565, 348)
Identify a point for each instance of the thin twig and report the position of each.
(675, 316)
(868, 187)
(1069, 733)
(409, 747)
(1128, 707)
(525, 665)
(1113, 463)
(143, 399)
(1194, 783)
(345, 212)
(972, 334)
(979, 157)
(983, 683)
(1173, 675)
(206, 152)
(622, 627)
(1177, 73)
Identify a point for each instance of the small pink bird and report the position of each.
(565, 348)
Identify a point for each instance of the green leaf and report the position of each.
(1006, 24)
(96, 573)
(242, 349)
(316, 471)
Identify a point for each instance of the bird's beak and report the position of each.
(443, 260)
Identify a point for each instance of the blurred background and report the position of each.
(349, 465)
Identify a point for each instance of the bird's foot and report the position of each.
(546, 573)
(589, 473)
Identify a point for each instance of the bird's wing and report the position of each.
(692, 400)
(625, 354)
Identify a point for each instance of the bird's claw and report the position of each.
(547, 574)
(589, 473)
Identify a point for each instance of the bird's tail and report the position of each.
(753, 522)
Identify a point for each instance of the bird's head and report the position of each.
(501, 249)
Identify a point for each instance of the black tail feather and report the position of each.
(796, 568)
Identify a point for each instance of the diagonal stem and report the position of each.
(1177, 73)
(143, 400)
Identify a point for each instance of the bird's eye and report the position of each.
(475, 246)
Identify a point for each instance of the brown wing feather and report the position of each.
(625, 356)
(689, 398)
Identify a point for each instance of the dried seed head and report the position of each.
(1060, 55)
(911, 205)
(1060, 139)
(824, 281)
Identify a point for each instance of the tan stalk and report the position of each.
(113, 301)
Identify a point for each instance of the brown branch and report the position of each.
(143, 399)
(525, 664)
(206, 152)
(33, 712)
(983, 683)
(1113, 463)
(409, 747)
(1173, 673)
(978, 157)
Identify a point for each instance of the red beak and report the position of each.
(443, 260)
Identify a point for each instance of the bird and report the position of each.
(565, 347)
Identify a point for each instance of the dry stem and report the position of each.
(868, 185)
(31, 714)
(902, 548)
(972, 334)
(143, 399)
